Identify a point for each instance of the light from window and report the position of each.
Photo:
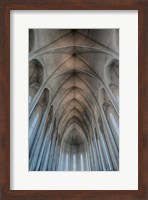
(82, 165)
(33, 124)
(74, 162)
(66, 162)
(114, 122)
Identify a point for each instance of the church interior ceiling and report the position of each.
(73, 100)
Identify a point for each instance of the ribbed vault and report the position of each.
(73, 100)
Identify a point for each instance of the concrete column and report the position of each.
(100, 149)
(52, 150)
(91, 156)
(55, 154)
(34, 151)
(110, 141)
(98, 153)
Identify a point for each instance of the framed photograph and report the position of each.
(74, 100)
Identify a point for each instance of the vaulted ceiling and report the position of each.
(74, 67)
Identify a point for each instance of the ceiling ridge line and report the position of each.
(49, 44)
(79, 103)
(88, 104)
(58, 90)
(80, 71)
(49, 78)
(91, 68)
(81, 125)
(56, 93)
(109, 49)
(79, 89)
(70, 89)
(68, 113)
(61, 116)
